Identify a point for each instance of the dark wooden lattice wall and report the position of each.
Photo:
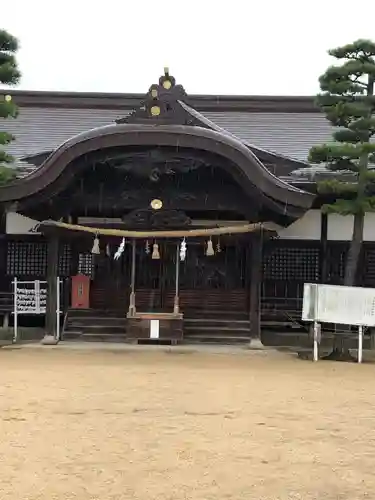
(28, 259)
(292, 263)
(86, 264)
(287, 265)
(367, 273)
(336, 258)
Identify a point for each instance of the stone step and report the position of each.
(90, 328)
(109, 326)
(219, 320)
(215, 328)
(71, 335)
(212, 338)
(97, 321)
(99, 337)
(96, 313)
(224, 313)
(217, 323)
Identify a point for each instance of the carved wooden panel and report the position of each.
(105, 189)
(160, 219)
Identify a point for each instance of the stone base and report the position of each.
(49, 340)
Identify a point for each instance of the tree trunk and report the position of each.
(340, 349)
(354, 250)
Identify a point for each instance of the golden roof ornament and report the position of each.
(155, 110)
(166, 81)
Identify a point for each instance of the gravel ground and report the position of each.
(185, 424)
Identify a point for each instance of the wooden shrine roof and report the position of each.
(165, 119)
(282, 127)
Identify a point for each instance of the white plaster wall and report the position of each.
(19, 224)
(340, 227)
(369, 228)
(305, 228)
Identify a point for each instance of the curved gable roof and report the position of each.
(165, 119)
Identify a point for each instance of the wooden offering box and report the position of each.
(155, 326)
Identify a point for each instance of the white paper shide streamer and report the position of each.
(120, 250)
(96, 246)
(183, 250)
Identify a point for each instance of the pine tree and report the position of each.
(9, 75)
(347, 99)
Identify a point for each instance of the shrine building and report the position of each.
(169, 216)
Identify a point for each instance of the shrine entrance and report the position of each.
(206, 283)
(110, 282)
(155, 277)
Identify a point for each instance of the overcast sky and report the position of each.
(211, 47)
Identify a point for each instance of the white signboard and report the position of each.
(339, 304)
(30, 297)
(154, 329)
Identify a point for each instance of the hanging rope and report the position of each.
(246, 228)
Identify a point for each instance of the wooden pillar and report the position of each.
(75, 246)
(176, 303)
(255, 283)
(324, 248)
(132, 309)
(52, 270)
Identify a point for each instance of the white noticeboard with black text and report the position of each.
(337, 304)
(30, 297)
(344, 305)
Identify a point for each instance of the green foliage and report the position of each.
(344, 206)
(348, 101)
(7, 174)
(9, 75)
(336, 187)
(7, 108)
